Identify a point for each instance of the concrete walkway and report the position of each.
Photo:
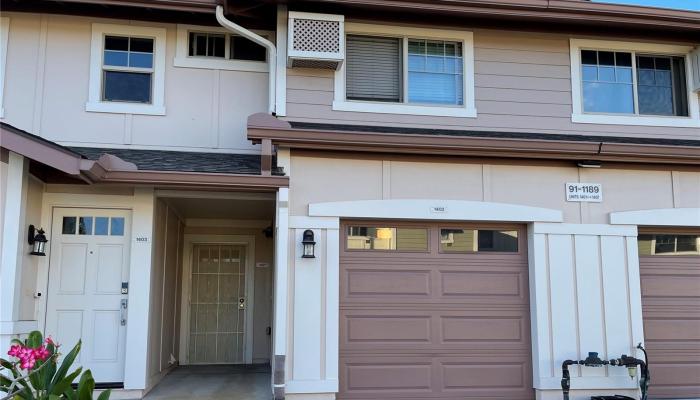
(214, 382)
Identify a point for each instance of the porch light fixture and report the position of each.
(308, 242)
(38, 240)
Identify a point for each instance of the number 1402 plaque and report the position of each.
(589, 192)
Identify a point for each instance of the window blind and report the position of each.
(373, 70)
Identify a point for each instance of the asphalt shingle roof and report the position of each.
(182, 161)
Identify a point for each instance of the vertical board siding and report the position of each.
(588, 306)
(591, 326)
(522, 83)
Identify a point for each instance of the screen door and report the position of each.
(218, 303)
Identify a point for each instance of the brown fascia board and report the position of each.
(38, 149)
(282, 134)
(177, 179)
(571, 11)
(198, 6)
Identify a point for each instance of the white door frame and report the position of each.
(247, 241)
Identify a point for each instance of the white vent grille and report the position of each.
(315, 40)
(317, 36)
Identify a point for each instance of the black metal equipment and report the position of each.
(626, 361)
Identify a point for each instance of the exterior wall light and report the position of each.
(37, 239)
(589, 164)
(309, 244)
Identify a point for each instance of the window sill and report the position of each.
(228, 65)
(677, 122)
(125, 108)
(407, 109)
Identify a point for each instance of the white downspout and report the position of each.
(271, 53)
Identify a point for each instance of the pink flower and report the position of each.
(49, 340)
(41, 353)
(14, 350)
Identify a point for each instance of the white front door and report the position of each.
(89, 267)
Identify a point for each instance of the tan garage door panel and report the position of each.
(671, 310)
(430, 324)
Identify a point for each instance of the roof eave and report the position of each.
(374, 142)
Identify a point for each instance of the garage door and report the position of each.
(435, 311)
(670, 276)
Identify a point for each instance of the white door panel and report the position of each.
(88, 263)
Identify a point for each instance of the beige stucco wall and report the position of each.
(46, 88)
(522, 84)
(320, 179)
(262, 304)
(166, 271)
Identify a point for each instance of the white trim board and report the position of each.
(189, 240)
(95, 103)
(467, 110)
(578, 116)
(4, 36)
(658, 217)
(454, 210)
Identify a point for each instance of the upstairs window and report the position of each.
(406, 70)
(630, 83)
(217, 48)
(207, 45)
(127, 69)
(375, 70)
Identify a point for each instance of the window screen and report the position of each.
(373, 68)
(661, 86)
(435, 72)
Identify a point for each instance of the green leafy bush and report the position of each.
(33, 372)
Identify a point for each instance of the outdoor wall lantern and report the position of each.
(37, 239)
(309, 244)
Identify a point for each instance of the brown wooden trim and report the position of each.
(375, 156)
(45, 152)
(266, 157)
(190, 179)
(474, 146)
(552, 11)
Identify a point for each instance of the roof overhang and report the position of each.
(109, 169)
(568, 12)
(264, 127)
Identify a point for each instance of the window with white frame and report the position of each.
(629, 83)
(217, 48)
(127, 69)
(127, 66)
(406, 71)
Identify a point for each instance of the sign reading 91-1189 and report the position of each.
(584, 192)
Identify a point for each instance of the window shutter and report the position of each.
(373, 70)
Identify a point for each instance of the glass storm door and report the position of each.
(218, 304)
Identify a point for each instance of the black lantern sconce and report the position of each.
(38, 240)
(308, 242)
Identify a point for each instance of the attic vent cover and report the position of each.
(316, 40)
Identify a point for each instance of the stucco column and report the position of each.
(13, 234)
(136, 360)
